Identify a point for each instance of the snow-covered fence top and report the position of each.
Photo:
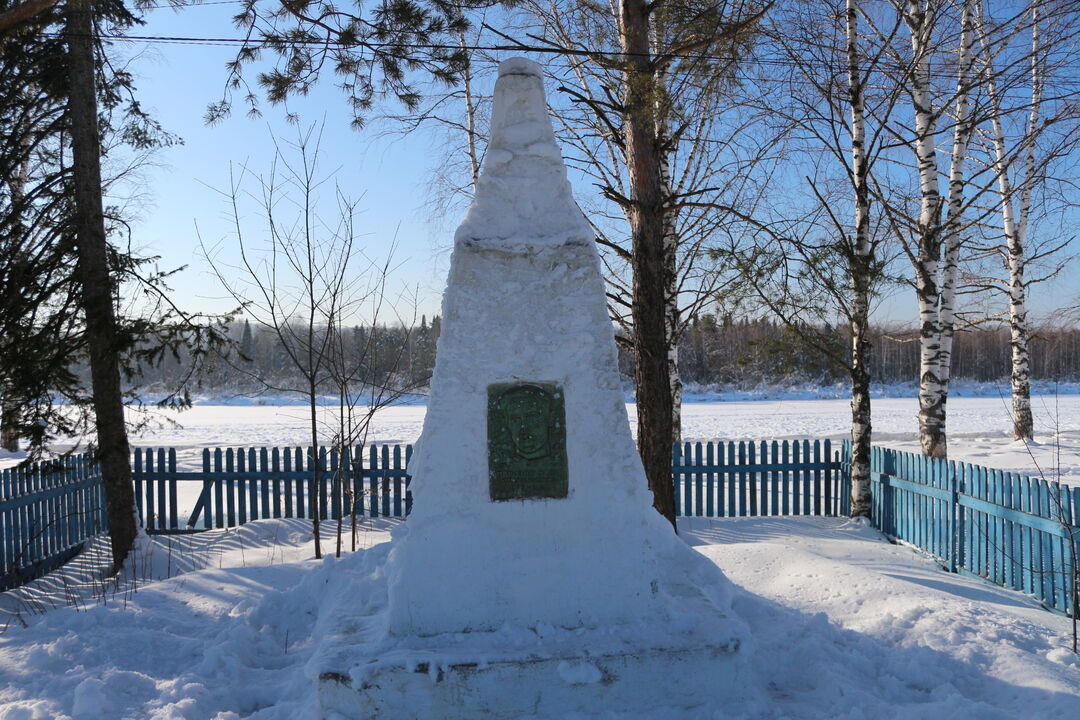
(1015, 531)
(47, 511)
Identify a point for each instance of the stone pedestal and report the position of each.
(686, 676)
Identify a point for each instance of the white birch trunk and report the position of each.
(1014, 227)
(952, 231)
(470, 117)
(861, 262)
(672, 313)
(1020, 377)
(928, 257)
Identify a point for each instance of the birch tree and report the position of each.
(860, 260)
(933, 234)
(952, 237)
(1014, 226)
(821, 253)
(920, 21)
(1022, 163)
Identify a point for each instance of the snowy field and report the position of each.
(979, 428)
(844, 626)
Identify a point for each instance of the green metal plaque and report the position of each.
(526, 441)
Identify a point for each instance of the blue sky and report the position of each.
(388, 175)
(176, 82)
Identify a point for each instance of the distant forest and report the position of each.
(748, 352)
(738, 353)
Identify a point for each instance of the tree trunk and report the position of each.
(1015, 229)
(470, 116)
(313, 457)
(672, 311)
(9, 409)
(861, 263)
(22, 12)
(654, 402)
(928, 257)
(9, 434)
(97, 285)
(952, 238)
(1023, 424)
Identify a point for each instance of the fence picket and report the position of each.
(241, 488)
(818, 507)
(774, 482)
(253, 487)
(302, 460)
(138, 469)
(712, 501)
(173, 519)
(397, 481)
(408, 480)
(785, 490)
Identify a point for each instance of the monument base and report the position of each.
(437, 684)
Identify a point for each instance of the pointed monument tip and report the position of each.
(519, 66)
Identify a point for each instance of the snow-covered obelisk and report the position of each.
(533, 574)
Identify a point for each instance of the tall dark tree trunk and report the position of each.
(9, 434)
(9, 409)
(97, 284)
(654, 401)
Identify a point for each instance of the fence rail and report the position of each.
(48, 510)
(1011, 530)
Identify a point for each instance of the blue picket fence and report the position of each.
(717, 479)
(759, 478)
(1011, 530)
(48, 510)
(1008, 529)
(238, 485)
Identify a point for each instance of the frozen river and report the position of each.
(979, 429)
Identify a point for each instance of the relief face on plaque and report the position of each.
(526, 441)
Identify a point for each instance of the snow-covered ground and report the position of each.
(979, 428)
(844, 625)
